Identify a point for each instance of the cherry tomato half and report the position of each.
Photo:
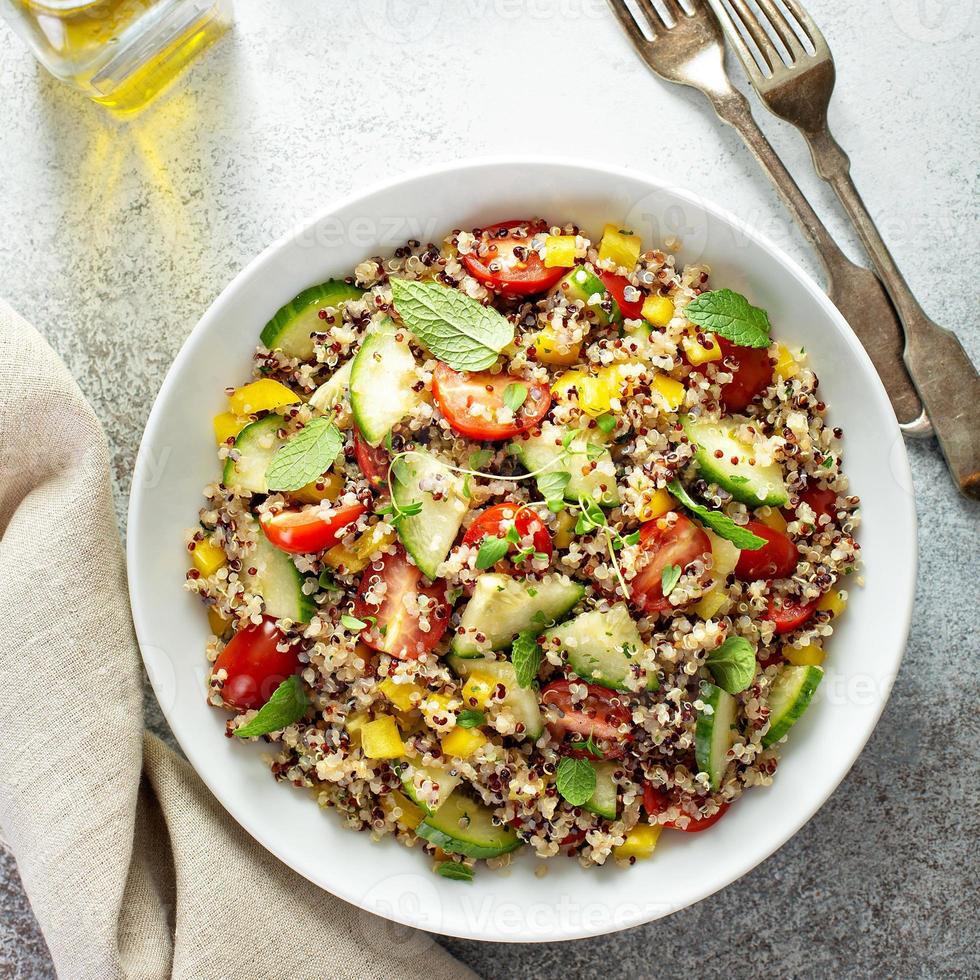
(308, 530)
(254, 665)
(372, 461)
(655, 801)
(775, 559)
(665, 542)
(395, 629)
(789, 616)
(599, 716)
(823, 503)
(752, 374)
(508, 264)
(496, 521)
(470, 402)
(616, 285)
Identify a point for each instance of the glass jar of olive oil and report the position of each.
(120, 53)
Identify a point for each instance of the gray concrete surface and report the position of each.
(115, 237)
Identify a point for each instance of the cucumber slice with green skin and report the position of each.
(256, 444)
(333, 391)
(291, 329)
(428, 799)
(463, 826)
(713, 734)
(789, 696)
(277, 580)
(430, 534)
(604, 800)
(752, 485)
(581, 284)
(503, 606)
(545, 452)
(522, 701)
(600, 646)
(381, 380)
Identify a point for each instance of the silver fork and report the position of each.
(796, 85)
(688, 48)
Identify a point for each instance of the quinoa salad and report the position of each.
(523, 540)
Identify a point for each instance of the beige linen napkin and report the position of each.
(132, 867)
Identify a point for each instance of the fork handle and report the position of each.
(854, 289)
(941, 369)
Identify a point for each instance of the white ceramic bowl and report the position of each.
(177, 458)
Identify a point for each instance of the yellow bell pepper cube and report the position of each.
(710, 603)
(410, 816)
(355, 723)
(698, 353)
(658, 311)
(565, 532)
(262, 395)
(477, 690)
(620, 247)
(219, 625)
(376, 537)
(559, 251)
(461, 743)
(772, 517)
(207, 558)
(436, 705)
(549, 351)
(639, 843)
(834, 602)
(326, 487)
(595, 391)
(809, 656)
(227, 426)
(400, 695)
(340, 556)
(658, 504)
(786, 365)
(380, 739)
(670, 390)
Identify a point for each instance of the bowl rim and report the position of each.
(902, 608)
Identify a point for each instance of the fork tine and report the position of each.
(675, 9)
(749, 60)
(625, 17)
(654, 17)
(784, 30)
(809, 25)
(753, 28)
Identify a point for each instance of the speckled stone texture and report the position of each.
(117, 236)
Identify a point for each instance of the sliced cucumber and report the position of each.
(713, 735)
(333, 391)
(600, 646)
(420, 782)
(463, 826)
(546, 452)
(604, 800)
(791, 692)
(429, 534)
(291, 329)
(277, 580)
(255, 446)
(381, 380)
(717, 446)
(581, 284)
(522, 701)
(503, 606)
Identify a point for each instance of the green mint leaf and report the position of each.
(720, 523)
(733, 664)
(470, 718)
(480, 458)
(352, 623)
(491, 551)
(326, 581)
(465, 334)
(606, 423)
(730, 315)
(525, 655)
(455, 871)
(669, 577)
(575, 780)
(551, 486)
(568, 438)
(587, 746)
(287, 704)
(515, 394)
(304, 456)
(593, 451)
(827, 463)
(633, 538)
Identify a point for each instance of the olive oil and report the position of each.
(120, 53)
